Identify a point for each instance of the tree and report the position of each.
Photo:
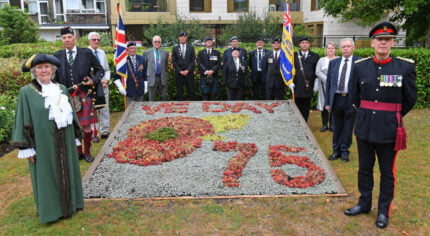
(412, 15)
(17, 26)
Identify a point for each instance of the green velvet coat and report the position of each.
(55, 175)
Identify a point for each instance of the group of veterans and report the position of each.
(56, 113)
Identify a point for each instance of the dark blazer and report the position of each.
(227, 54)
(180, 63)
(253, 56)
(85, 64)
(309, 66)
(233, 78)
(140, 74)
(333, 77)
(271, 71)
(381, 126)
(205, 62)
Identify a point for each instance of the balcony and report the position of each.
(75, 19)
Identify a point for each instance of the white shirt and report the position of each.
(347, 75)
(103, 62)
(183, 49)
(236, 63)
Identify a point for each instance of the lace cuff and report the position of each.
(26, 153)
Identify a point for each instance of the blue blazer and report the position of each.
(332, 79)
(253, 63)
(140, 74)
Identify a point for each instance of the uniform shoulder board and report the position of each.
(406, 59)
(362, 59)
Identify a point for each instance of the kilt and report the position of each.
(205, 87)
(88, 114)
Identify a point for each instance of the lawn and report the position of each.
(318, 215)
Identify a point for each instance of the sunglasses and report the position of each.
(95, 39)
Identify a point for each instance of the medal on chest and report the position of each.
(390, 80)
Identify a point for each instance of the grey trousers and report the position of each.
(104, 115)
(157, 87)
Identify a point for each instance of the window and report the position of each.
(85, 6)
(315, 5)
(147, 5)
(200, 5)
(3, 3)
(237, 6)
(278, 5)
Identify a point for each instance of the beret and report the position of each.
(182, 34)
(259, 39)
(304, 39)
(37, 59)
(233, 38)
(276, 40)
(208, 38)
(131, 43)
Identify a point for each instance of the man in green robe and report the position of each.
(45, 131)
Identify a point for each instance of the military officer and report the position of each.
(384, 91)
(183, 59)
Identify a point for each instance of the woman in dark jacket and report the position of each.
(235, 75)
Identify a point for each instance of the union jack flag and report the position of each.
(120, 44)
(287, 48)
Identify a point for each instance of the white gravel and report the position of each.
(200, 173)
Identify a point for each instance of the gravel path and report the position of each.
(200, 173)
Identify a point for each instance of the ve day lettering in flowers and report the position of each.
(182, 149)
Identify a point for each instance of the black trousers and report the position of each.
(326, 118)
(235, 93)
(387, 167)
(304, 105)
(343, 122)
(275, 93)
(258, 87)
(180, 82)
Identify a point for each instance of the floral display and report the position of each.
(235, 165)
(225, 147)
(138, 149)
(315, 175)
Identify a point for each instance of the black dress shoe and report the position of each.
(89, 158)
(95, 139)
(345, 157)
(357, 210)
(382, 221)
(105, 136)
(324, 129)
(81, 156)
(333, 156)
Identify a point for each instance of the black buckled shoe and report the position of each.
(356, 210)
(105, 135)
(333, 156)
(81, 156)
(324, 129)
(345, 157)
(382, 221)
(89, 158)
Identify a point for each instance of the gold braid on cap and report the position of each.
(28, 63)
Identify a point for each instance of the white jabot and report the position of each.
(58, 104)
(26, 153)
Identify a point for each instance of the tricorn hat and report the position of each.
(37, 59)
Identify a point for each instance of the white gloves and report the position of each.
(291, 86)
(120, 87)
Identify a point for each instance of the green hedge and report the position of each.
(11, 77)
